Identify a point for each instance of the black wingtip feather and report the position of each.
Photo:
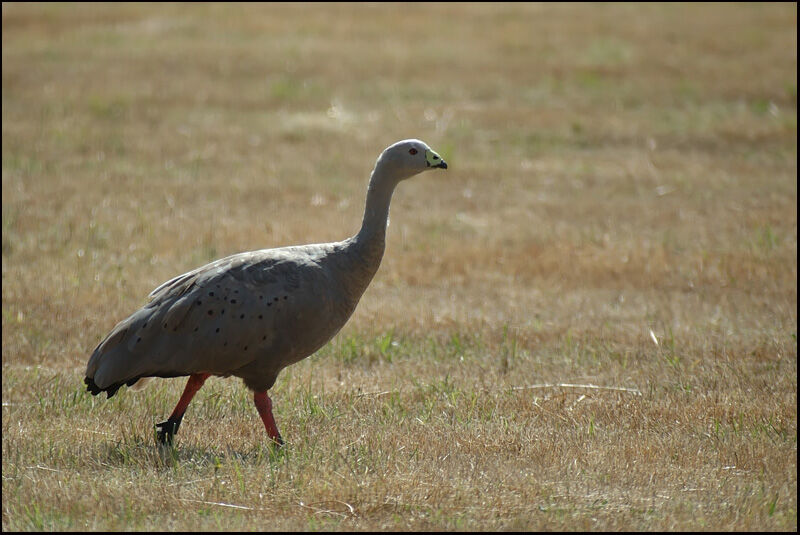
(92, 387)
(110, 390)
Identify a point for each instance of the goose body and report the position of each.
(252, 314)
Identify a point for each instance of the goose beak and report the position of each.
(434, 160)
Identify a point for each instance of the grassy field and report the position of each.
(588, 322)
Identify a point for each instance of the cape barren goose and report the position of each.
(252, 314)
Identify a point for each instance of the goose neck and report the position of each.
(376, 209)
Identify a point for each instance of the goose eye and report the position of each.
(412, 151)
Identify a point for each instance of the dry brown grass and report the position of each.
(618, 173)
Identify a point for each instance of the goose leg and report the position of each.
(264, 407)
(168, 429)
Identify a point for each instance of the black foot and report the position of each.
(167, 430)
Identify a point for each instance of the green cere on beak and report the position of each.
(434, 160)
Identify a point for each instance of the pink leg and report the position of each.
(264, 407)
(168, 429)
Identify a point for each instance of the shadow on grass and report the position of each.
(137, 452)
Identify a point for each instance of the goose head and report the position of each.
(407, 158)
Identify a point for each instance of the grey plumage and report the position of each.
(252, 314)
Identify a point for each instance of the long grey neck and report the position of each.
(376, 210)
(370, 241)
(355, 260)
